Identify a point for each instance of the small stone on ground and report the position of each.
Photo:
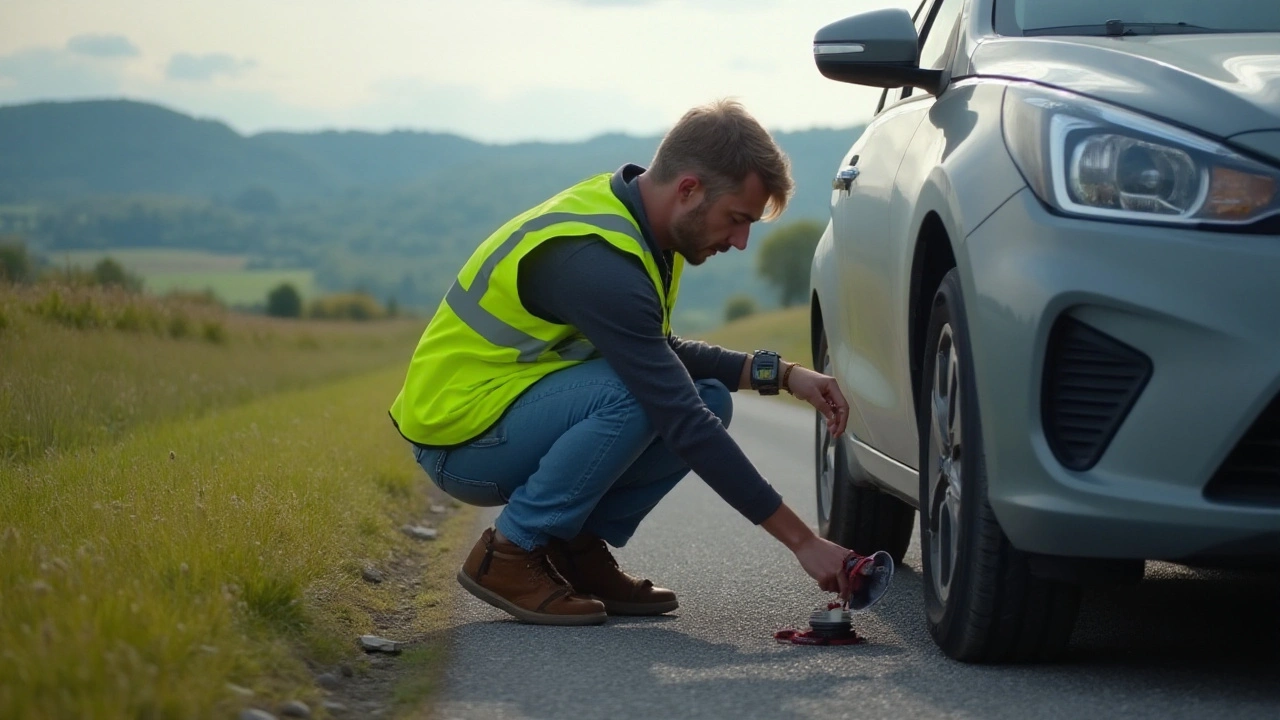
(295, 709)
(419, 532)
(373, 643)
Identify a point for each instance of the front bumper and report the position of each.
(1203, 307)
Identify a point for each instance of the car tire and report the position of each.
(854, 514)
(982, 602)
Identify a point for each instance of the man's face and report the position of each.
(706, 227)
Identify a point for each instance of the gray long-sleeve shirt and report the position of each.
(608, 296)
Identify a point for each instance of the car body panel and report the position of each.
(860, 218)
(1221, 85)
(1200, 304)
(1262, 143)
(956, 169)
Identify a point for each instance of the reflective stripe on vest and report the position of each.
(466, 303)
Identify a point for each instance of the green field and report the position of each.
(185, 516)
(165, 270)
(151, 261)
(188, 498)
(784, 331)
(237, 288)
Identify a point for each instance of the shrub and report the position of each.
(284, 301)
(179, 326)
(109, 273)
(81, 313)
(347, 306)
(739, 306)
(15, 264)
(214, 332)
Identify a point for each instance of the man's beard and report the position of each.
(689, 234)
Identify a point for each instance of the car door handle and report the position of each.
(844, 179)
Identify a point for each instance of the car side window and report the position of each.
(884, 95)
(921, 19)
(937, 39)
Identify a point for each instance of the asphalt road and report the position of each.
(1180, 644)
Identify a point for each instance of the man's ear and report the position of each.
(688, 187)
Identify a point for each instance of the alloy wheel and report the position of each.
(945, 455)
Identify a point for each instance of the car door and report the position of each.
(898, 435)
(866, 351)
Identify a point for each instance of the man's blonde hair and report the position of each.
(721, 144)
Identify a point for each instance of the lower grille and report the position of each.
(1251, 473)
(1091, 381)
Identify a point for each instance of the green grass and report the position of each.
(165, 270)
(241, 288)
(149, 261)
(84, 366)
(783, 331)
(140, 578)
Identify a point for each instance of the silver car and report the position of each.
(1050, 288)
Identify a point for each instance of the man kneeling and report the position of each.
(549, 380)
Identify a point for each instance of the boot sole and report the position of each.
(614, 607)
(529, 616)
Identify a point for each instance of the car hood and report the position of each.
(1220, 84)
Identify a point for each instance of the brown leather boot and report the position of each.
(523, 583)
(590, 568)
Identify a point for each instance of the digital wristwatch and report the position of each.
(766, 371)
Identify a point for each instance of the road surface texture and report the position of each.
(1181, 644)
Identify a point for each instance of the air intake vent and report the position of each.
(1091, 381)
(1251, 472)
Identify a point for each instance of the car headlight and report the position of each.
(1084, 157)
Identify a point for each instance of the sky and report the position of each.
(492, 70)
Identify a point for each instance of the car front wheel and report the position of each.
(983, 604)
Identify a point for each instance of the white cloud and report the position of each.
(105, 46)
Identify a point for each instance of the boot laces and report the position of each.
(540, 564)
(599, 548)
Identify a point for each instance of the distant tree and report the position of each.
(110, 273)
(257, 201)
(393, 307)
(785, 256)
(358, 305)
(284, 301)
(15, 263)
(739, 306)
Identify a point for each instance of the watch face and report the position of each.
(765, 373)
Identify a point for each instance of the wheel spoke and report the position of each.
(957, 425)
(937, 422)
(944, 490)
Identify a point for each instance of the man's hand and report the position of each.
(822, 392)
(824, 561)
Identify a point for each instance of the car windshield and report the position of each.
(1136, 17)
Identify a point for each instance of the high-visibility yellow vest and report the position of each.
(482, 348)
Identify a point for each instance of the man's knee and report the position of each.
(718, 399)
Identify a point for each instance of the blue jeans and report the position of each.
(574, 453)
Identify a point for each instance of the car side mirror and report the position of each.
(878, 48)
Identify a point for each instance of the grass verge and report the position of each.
(84, 366)
(147, 578)
(784, 331)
